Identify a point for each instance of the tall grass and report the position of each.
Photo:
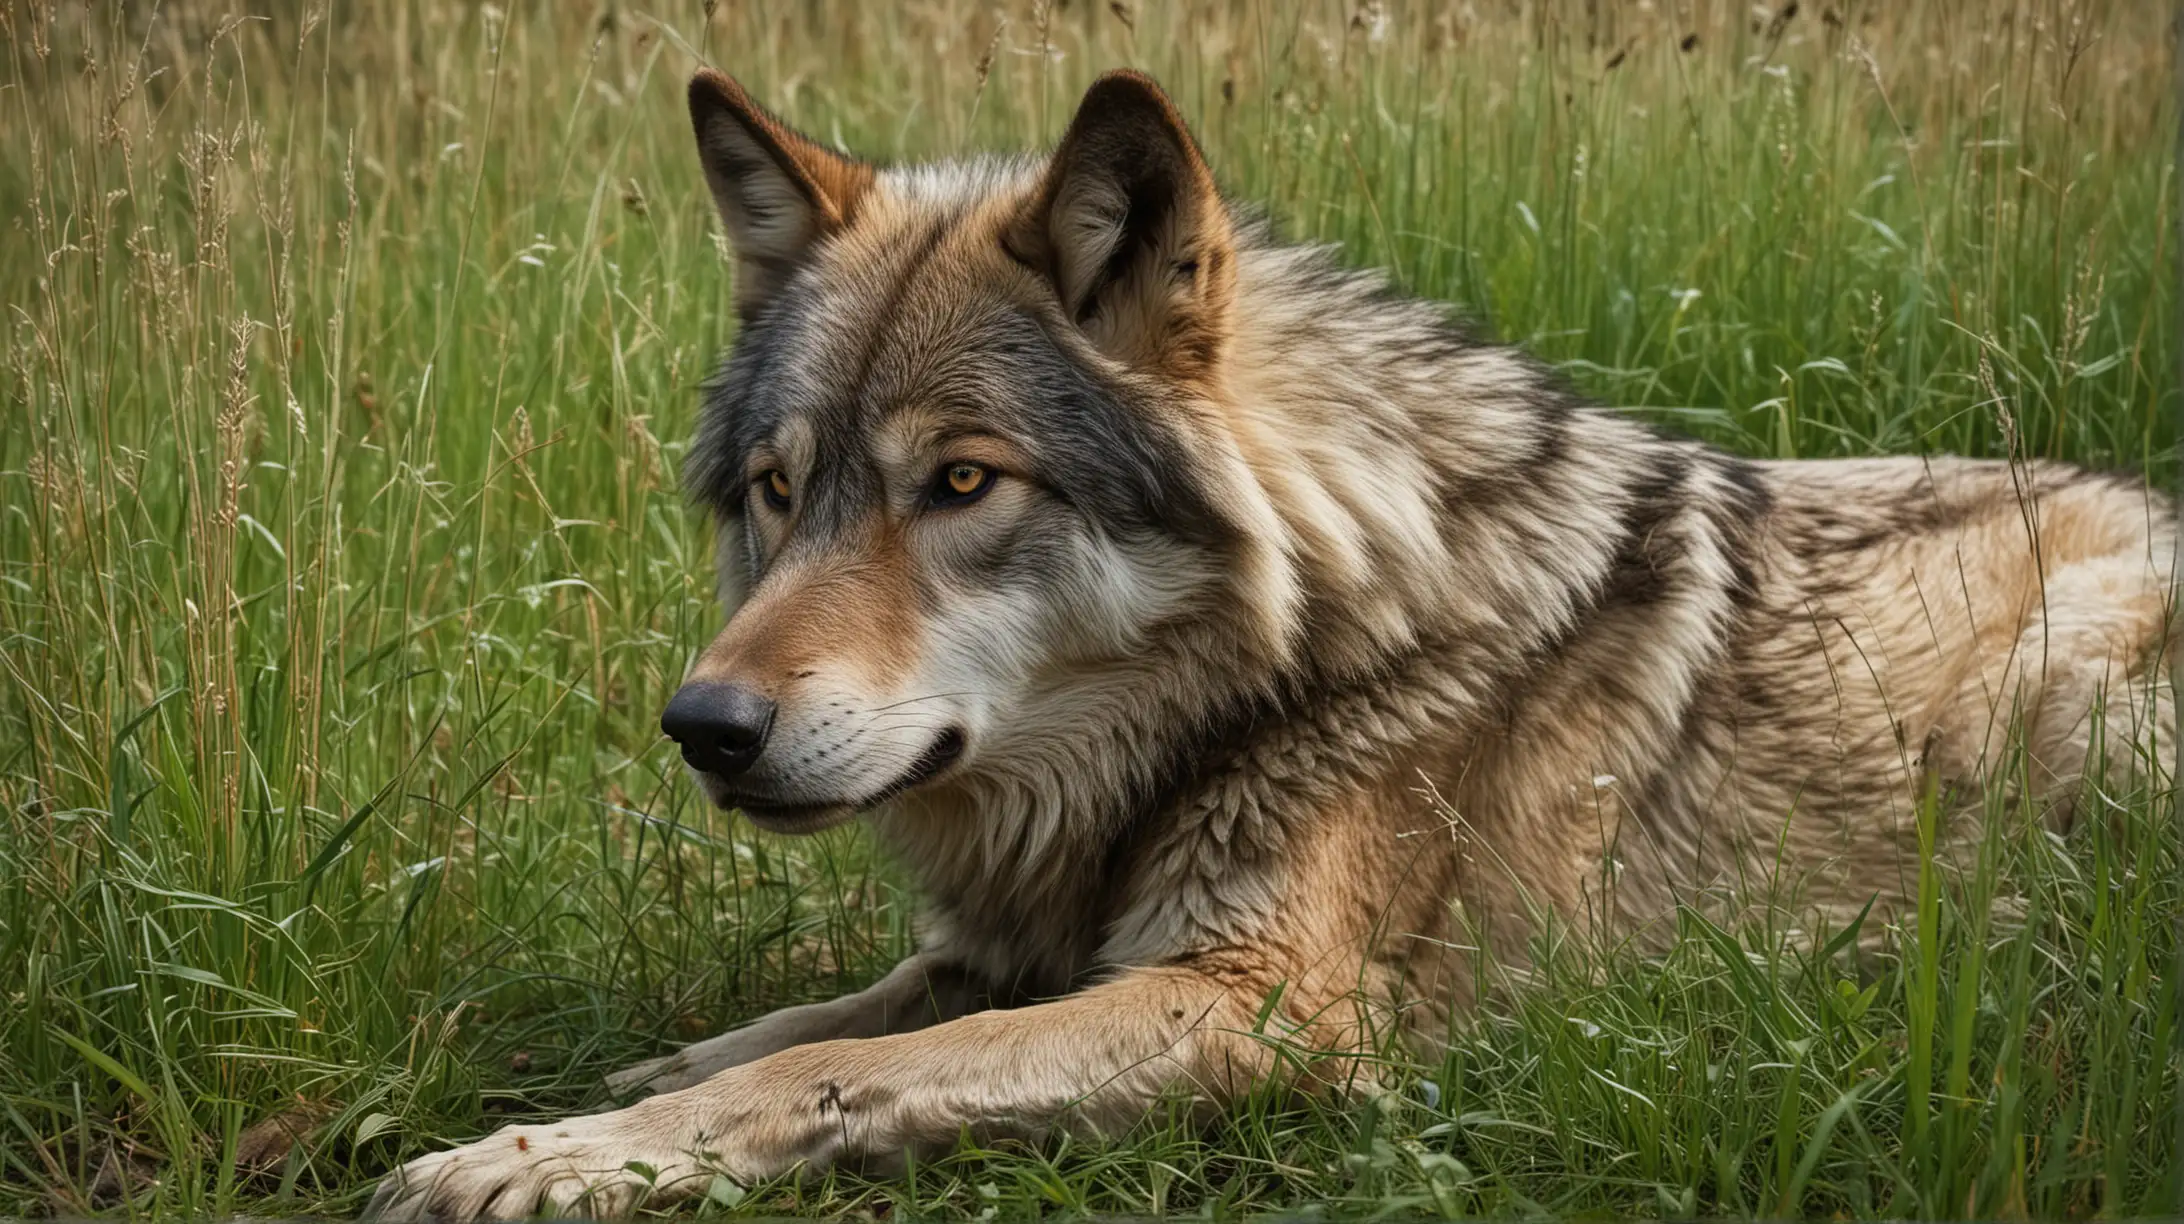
(351, 351)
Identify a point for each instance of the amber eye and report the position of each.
(776, 489)
(961, 483)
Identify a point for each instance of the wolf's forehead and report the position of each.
(931, 377)
(918, 227)
(915, 309)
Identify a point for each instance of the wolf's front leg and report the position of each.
(1096, 1060)
(923, 990)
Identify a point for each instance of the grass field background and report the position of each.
(350, 356)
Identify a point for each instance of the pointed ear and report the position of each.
(778, 191)
(1131, 231)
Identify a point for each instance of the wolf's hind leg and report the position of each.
(923, 990)
(2096, 692)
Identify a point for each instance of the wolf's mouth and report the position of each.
(812, 817)
(928, 766)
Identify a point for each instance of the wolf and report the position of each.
(1235, 651)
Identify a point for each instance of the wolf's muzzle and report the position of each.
(721, 727)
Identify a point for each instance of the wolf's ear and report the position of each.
(778, 191)
(1131, 230)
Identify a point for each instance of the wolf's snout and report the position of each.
(721, 727)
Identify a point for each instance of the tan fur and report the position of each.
(1462, 660)
(855, 608)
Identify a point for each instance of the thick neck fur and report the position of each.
(1493, 517)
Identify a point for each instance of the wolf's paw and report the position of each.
(602, 1166)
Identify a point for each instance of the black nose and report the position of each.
(721, 727)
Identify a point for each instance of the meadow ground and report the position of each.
(343, 572)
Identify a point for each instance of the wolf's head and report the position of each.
(980, 507)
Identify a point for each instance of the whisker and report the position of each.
(914, 715)
(927, 697)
